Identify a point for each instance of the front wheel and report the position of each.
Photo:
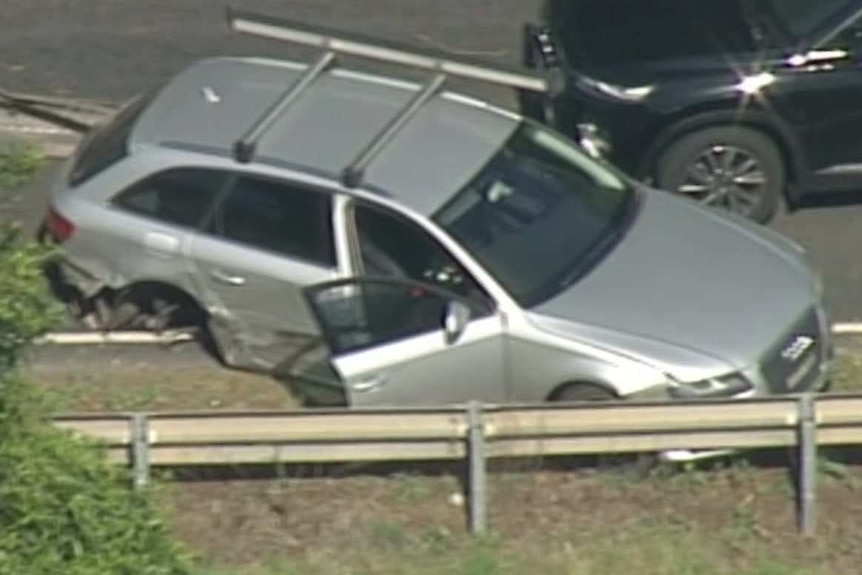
(640, 464)
(731, 167)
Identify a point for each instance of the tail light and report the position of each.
(59, 227)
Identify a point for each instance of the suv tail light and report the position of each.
(58, 226)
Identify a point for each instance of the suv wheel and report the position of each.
(735, 168)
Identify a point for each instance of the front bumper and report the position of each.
(781, 381)
(819, 383)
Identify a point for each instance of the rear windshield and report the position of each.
(108, 144)
(610, 33)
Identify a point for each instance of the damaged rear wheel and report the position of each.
(150, 307)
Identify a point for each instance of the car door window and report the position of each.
(391, 245)
(181, 196)
(281, 218)
(368, 312)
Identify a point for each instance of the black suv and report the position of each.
(737, 103)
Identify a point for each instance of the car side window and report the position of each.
(364, 313)
(278, 217)
(181, 196)
(391, 245)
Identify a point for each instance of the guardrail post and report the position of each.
(807, 482)
(140, 449)
(477, 480)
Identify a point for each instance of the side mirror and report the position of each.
(455, 321)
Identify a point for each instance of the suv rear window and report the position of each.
(109, 144)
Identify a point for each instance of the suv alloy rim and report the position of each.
(725, 176)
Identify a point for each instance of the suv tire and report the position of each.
(735, 168)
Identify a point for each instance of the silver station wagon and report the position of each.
(443, 249)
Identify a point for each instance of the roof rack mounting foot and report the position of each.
(245, 148)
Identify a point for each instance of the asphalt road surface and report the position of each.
(113, 49)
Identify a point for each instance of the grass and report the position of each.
(848, 366)
(127, 385)
(645, 547)
(736, 519)
(19, 163)
(146, 387)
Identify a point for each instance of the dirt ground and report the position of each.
(741, 515)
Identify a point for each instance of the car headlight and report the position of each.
(723, 386)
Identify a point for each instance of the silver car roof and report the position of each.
(214, 102)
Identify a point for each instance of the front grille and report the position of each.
(793, 364)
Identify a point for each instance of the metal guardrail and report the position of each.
(478, 433)
(55, 124)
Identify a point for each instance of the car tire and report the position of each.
(733, 167)
(584, 392)
(639, 464)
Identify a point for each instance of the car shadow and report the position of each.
(828, 200)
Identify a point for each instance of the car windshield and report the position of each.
(609, 33)
(800, 18)
(617, 33)
(539, 214)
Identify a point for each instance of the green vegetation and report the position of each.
(63, 507)
(646, 548)
(719, 519)
(19, 163)
(847, 376)
(131, 386)
(26, 307)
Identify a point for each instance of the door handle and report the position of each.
(370, 384)
(227, 278)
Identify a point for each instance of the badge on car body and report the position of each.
(797, 348)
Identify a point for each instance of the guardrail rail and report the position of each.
(477, 433)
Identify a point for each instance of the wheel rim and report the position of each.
(725, 176)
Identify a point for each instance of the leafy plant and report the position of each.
(26, 307)
(63, 507)
(67, 510)
(18, 164)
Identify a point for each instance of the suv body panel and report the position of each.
(809, 108)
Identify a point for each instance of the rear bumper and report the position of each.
(76, 277)
(65, 274)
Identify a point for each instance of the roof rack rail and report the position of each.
(244, 149)
(380, 50)
(336, 42)
(353, 173)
